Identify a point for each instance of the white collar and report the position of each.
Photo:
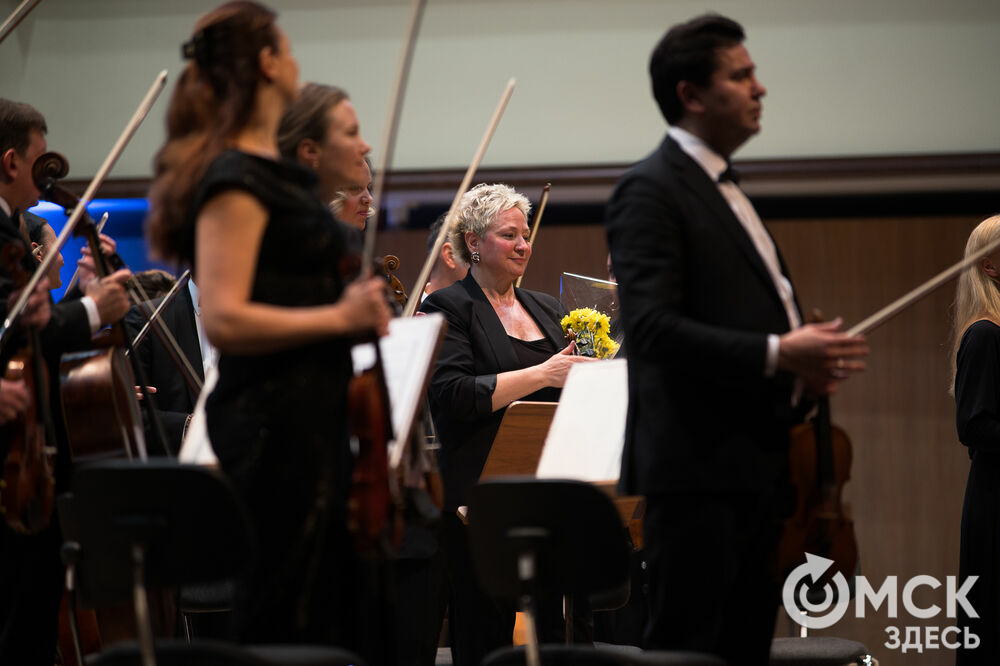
(713, 163)
(5, 207)
(193, 290)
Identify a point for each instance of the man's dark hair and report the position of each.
(16, 122)
(435, 230)
(688, 53)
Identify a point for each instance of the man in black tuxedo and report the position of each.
(31, 579)
(719, 360)
(175, 398)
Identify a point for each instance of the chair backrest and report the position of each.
(572, 527)
(188, 519)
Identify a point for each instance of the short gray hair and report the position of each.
(479, 208)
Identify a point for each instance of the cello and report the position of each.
(101, 376)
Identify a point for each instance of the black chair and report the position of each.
(819, 651)
(163, 523)
(530, 537)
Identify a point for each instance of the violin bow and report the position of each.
(534, 225)
(179, 284)
(140, 114)
(914, 295)
(16, 17)
(449, 221)
(388, 145)
(154, 321)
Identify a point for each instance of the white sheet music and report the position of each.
(587, 435)
(408, 356)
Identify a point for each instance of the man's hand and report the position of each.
(85, 265)
(14, 399)
(138, 391)
(821, 355)
(109, 295)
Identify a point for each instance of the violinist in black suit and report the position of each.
(31, 582)
(718, 358)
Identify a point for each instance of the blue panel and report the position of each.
(125, 220)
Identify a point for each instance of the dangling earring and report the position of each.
(475, 256)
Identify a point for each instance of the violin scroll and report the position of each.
(47, 169)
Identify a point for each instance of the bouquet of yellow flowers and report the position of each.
(590, 328)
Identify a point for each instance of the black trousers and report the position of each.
(711, 570)
(420, 607)
(31, 581)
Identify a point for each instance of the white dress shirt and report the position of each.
(89, 305)
(714, 165)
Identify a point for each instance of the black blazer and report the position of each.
(476, 348)
(174, 398)
(697, 304)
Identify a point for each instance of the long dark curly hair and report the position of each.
(211, 104)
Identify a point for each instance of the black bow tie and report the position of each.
(730, 174)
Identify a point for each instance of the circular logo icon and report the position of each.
(795, 587)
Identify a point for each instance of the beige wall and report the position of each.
(844, 78)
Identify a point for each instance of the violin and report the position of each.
(28, 493)
(819, 467)
(373, 493)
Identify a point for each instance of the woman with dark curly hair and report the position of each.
(265, 253)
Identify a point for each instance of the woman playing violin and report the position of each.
(502, 344)
(976, 350)
(265, 255)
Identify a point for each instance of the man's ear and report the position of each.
(448, 255)
(690, 97)
(8, 165)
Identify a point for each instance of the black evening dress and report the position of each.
(277, 421)
(977, 399)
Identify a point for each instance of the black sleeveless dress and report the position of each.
(278, 421)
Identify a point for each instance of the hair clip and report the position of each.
(194, 48)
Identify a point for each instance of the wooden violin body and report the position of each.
(99, 405)
(820, 465)
(370, 501)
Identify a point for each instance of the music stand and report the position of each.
(518, 444)
(561, 538)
